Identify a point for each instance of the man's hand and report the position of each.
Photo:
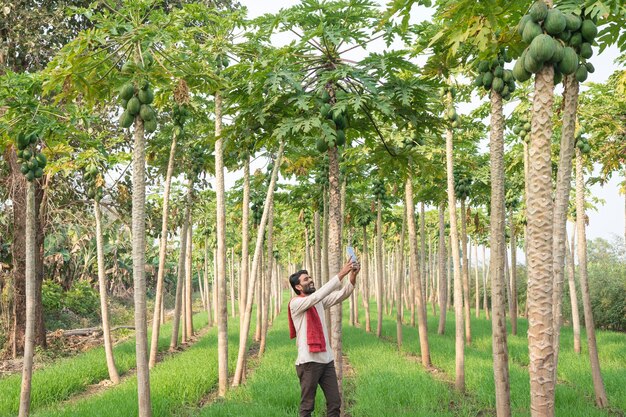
(356, 268)
(345, 269)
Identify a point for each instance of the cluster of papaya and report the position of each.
(555, 38)
(450, 115)
(409, 143)
(582, 144)
(462, 185)
(136, 103)
(339, 121)
(378, 189)
(31, 162)
(222, 62)
(523, 129)
(94, 182)
(180, 113)
(257, 208)
(493, 76)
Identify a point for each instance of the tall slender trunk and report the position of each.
(245, 329)
(325, 273)
(581, 218)
(334, 256)
(317, 249)
(104, 309)
(267, 281)
(379, 269)
(422, 257)
(513, 275)
(442, 285)
(561, 205)
(220, 279)
(207, 290)
(139, 269)
(477, 281)
(30, 270)
(569, 259)
(485, 276)
(365, 281)
(178, 304)
(465, 270)
(458, 284)
(400, 278)
(498, 248)
(414, 275)
(245, 239)
(188, 282)
(156, 316)
(540, 226)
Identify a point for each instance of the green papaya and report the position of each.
(133, 106)
(590, 68)
(522, 23)
(150, 125)
(487, 80)
(589, 30)
(498, 72)
(542, 48)
(581, 73)
(558, 77)
(538, 11)
(22, 141)
(519, 72)
(24, 168)
(478, 82)
(341, 137)
(32, 164)
(126, 119)
(507, 76)
(558, 53)
(497, 85)
(325, 110)
(39, 172)
(147, 113)
(483, 66)
(586, 51)
(30, 175)
(555, 22)
(576, 40)
(452, 113)
(33, 138)
(565, 35)
(573, 22)
(146, 96)
(127, 92)
(531, 31)
(41, 160)
(325, 96)
(527, 126)
(27, 154)
(340, 121)
(531, 64)
(569, 63)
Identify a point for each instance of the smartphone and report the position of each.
(351, 254)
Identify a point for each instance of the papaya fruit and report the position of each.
(581, 73)
(531, 31)
(589, 30)
(146, 113)
(585, 50)
(133, 106)
(126, 119)
(555, 22)
(127, 92)
(146, 96)
(572, 22)
(542, 48)
(569, 63)
(150, 125)
(538, 11)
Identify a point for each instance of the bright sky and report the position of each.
(607, 221)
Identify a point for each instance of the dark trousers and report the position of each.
(312, 374)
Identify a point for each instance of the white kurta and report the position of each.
(328, 295)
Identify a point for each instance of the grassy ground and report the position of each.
(69, 376)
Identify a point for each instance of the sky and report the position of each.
(606, 221)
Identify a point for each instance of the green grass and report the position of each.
(177, 384)
(69, 376)
(574, 393)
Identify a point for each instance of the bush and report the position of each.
(79, 305)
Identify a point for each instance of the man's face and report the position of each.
(307, 286)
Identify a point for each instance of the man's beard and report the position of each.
(310, 289)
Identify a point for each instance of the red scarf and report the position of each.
(314, 332)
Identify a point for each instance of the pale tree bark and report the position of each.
(465, 270)
(334, 257)
(178, 303)
(400, 280)
(365, 281)
(207, 291)
(459, 382)
(29, 334)
(156, 316)
(267, 281)
(245, 329)
(379, 269)
(220, 278)
(513, 276)
(477, 281)
(233, 309)
(104, 308)
(325, 273)
(561, 205)
(414, 275)
(244, 272)
(442, 285)
(139, 272)
(188, 283)
(569, 260)
(540, 226)
(422, 257)
(317, 249)
(485, 276)
(592, 346)
(497, 260)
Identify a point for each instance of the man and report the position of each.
(315, 363)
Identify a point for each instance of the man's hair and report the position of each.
(294, 279)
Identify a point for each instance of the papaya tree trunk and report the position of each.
(422, 258)
(400, 280)
(267, 281)
(379, 269)
(414, 275)
(243, 332)
(465, 270)
(477, 281)
(485, 276)
(244, 273)
(139, 269)
(156, 316)
(317, 248)
(104, 308)
(458, 283)
(442, 286)
(365, 281)
(581, 219)
(561, 204)
(513, 275)
(29, 334)
(497, 244)
(569, 259)
(188, 282)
